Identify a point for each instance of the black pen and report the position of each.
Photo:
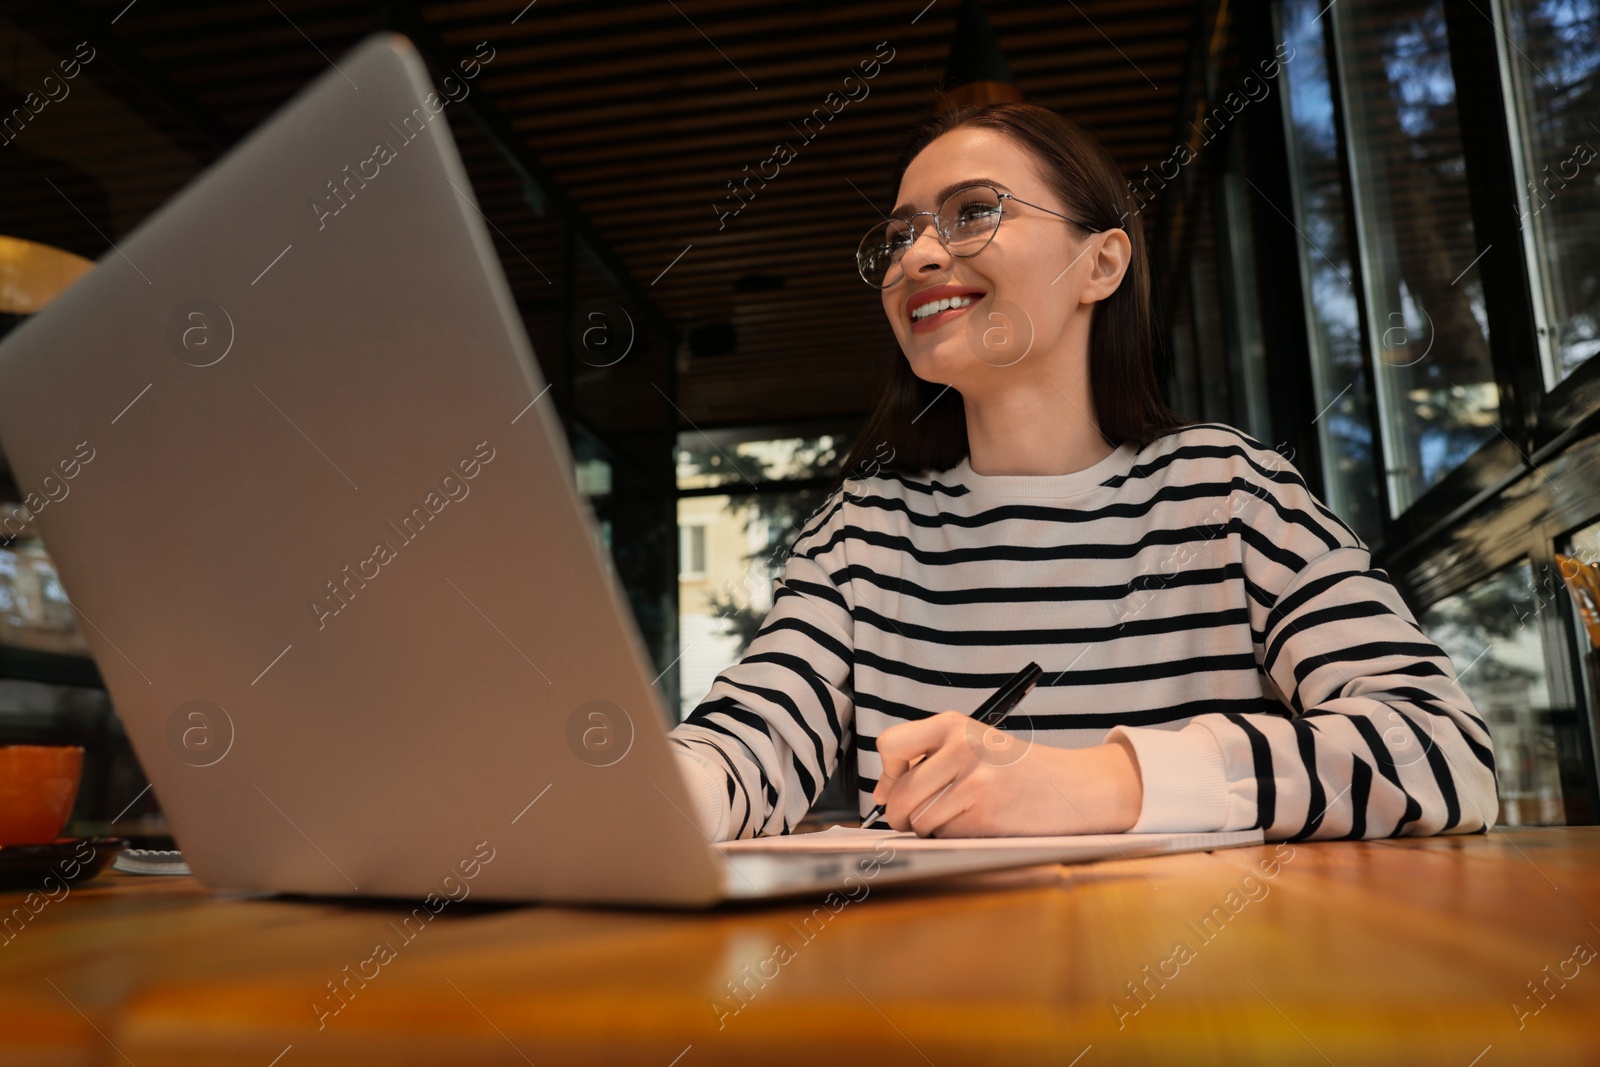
(991, 712)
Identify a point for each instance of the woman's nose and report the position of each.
(926, 252)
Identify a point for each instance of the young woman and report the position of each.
(1218, 651)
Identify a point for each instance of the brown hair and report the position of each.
(924, 423)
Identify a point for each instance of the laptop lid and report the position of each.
(322, 533)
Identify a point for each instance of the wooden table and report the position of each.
(1412, 952)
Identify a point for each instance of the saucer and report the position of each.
(81, 858)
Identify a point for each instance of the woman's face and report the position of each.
(1026, 286)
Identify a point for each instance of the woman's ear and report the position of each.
(1108, 264)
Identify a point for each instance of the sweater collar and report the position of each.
(1119, 461)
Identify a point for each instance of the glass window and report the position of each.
(734, 543)
(1551, 50)
(1492, 634)
(1342, 389)
(1434, 382)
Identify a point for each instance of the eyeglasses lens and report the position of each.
(967, 220)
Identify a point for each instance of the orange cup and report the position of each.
(38, 784)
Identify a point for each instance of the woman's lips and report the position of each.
(933, 322)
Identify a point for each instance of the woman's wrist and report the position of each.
(1127, 794)
(1102, 786)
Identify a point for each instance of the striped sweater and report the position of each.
(1192, 598)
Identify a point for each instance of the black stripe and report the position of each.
(783, 700)
(991, 552)
(1143, 471)
(1266, 785)
(693, 742)
(1317, 800)
(1483, 753)
(1186, 442)
(1037, 594)
(1193, 450)
(1441, 774)
(801, 587)
(814, 523)
(1264, 597)
(1360, 792)
(702, 716)
(1065, 676)
(1355, 657)
(736, 785)
(772, 802)
(1266, 547)
(1179, 493)
(733, 805)
(1378, 649)
(917, 485)
(967, 637)
(1418, 669)
(1310, 590)
(1283, 473)
(1433, 703)
(733, 776)
(1021, 724)
(1384, 760)
(1310, 620)
(1433, 700)
(819, 686)
(816, 636)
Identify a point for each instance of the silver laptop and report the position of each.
(299, 472)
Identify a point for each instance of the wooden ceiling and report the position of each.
(638, 112)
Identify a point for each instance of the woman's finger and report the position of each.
(948, 813)
(900, 745)
(922, 784)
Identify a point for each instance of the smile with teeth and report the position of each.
(933, 307)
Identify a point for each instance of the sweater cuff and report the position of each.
(707, 786)
(1185, 783)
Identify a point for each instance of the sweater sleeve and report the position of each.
(773, 723)
(1376, 737)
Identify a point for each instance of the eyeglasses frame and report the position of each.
(944, 241)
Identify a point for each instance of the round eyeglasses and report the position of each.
(965, 224)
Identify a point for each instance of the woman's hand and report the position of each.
(973, 780)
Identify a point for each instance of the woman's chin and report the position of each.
(941, 363)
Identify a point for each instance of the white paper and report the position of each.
(855, 839)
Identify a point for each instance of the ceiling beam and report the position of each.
(405, 18)
(218, 134)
